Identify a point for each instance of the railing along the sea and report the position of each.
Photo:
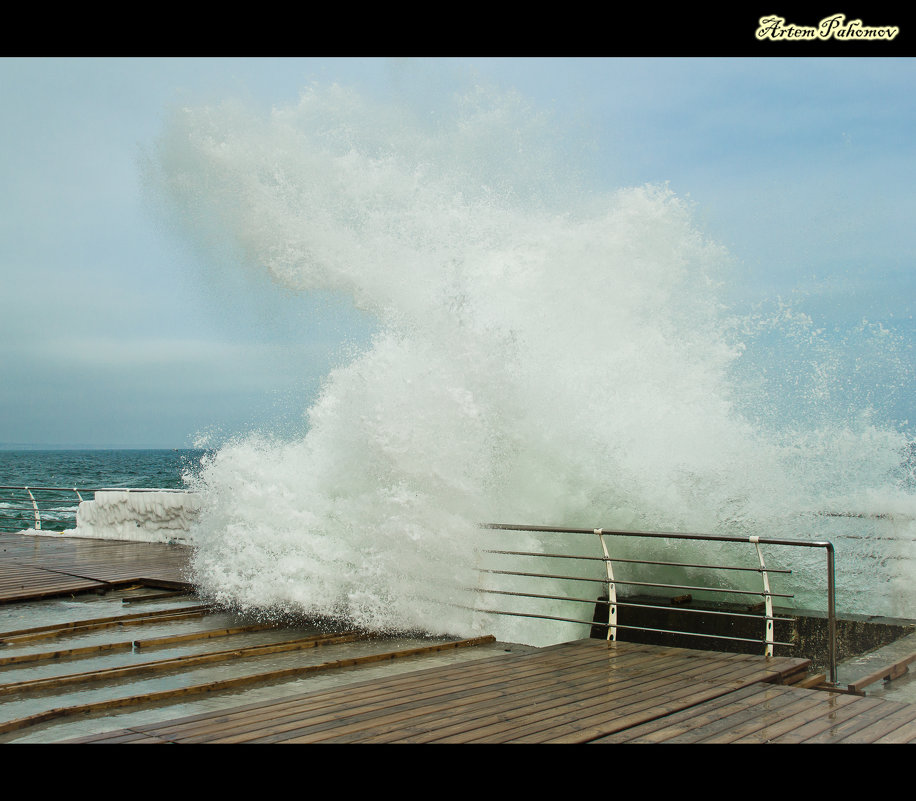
(624, 577)
(50, 508)
(621, 574)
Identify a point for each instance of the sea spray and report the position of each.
(544, 354)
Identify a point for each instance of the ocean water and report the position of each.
(84, 470)
(545, 353)
(97, 469)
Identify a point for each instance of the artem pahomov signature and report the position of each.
(833, 27)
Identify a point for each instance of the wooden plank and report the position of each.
(667, 727)
(587, 728)
(365, 691)
(72, 627)
(222, 685)
(501, 713)
(893, 671)
(865, 715)
(775, 714)
(402, 683)
(500, 719)
(759, 716)
(906, 733)
(554, 696)
(129, 645)
(810, 681)
(559, 719)
(432, 704)
(762, 718)
(26, 582)
(406, 721)
(123, 737)
(584, 722)
(40, 566)
(174, 663)
(337, 702)
(891, 725)
(833, 711)
(425, 686)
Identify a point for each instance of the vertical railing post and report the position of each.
(35, 507)
(611, 589)
(831, 613)
(767, 599)
(769, 639)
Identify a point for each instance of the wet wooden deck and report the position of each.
(570, 693)
(587, 691)
(47, 566)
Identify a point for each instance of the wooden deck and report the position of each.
(587, 691)
(46, 566)
(571, 693)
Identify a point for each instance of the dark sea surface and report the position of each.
(52, 475)
(97, 469)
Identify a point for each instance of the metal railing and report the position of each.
(25, 507)
(49, 508)
(612, 579)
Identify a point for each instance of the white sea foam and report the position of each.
(544, 355)
(138, 516)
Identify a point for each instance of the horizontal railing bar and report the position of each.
(96, 489)
(700, 611)
(539, 617)
(638, 583)
(46, 514)
(668, 535)
(41, 508)
(630, 628)
(43, 503)
(755, 569)
(695, 634)
(606, 602)
(69, 498)
(44, 507)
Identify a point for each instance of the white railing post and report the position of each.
(767, 599)
(35, 507)
(611, 589)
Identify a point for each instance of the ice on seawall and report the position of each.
(149, 516)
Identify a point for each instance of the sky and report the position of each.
(112, 334)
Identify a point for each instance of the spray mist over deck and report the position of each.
(543, 355)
